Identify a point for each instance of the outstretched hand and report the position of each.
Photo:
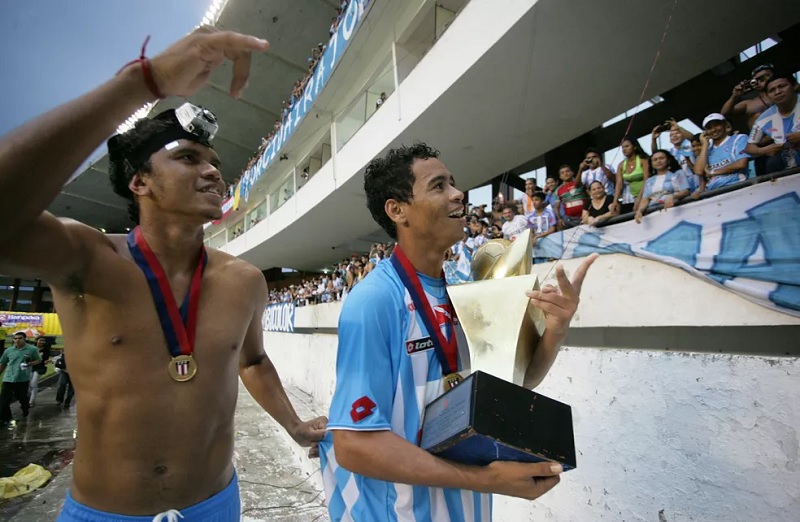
(186, 65)
(560, 304)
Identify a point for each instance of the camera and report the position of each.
(197, 120)
(753, 84)
(664, 127)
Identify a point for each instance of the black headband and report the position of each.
(141, 154)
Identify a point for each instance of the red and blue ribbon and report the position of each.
(179, 325)
(446, 350)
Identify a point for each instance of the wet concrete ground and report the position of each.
(277, 481)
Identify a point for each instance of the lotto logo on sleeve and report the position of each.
(419, 345)
(362, 408)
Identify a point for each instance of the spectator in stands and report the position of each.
(527, 202)
(631, 174)
(380, 100)
(593, 169)
(667, 185)
(757, 100)
(542, 221)
(550, 186)
(680, 145)
(722, 159)
(571, 196)
(778, 128)
(601, 206)
(514, 224)
(496, 230)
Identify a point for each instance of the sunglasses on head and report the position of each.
(765, 67)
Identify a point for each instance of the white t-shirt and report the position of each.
(513, 228)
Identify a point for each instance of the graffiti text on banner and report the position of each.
(278, 318)
(330, 58)
(745, 240)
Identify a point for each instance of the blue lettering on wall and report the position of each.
(681, 242)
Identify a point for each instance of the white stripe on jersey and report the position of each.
(404, 504)
(350, 496)
(439, 511)
(468, 503)
(486, 507)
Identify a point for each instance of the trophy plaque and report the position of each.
(490, 416)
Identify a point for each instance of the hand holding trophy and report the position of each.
(489, 416)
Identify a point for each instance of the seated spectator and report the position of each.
(631, 174)
(722, 160)
(666, 186)
(600, 207)
(571, 195)
(750, 97)
(542, 221)
(593, 169)
(514, 224)
(776, 133)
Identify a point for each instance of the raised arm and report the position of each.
(39, 157)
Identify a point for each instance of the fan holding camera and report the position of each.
(750, 96)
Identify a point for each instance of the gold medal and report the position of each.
(182, 368)
(451, 380)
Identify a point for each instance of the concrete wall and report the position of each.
(698, 436)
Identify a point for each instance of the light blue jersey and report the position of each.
(386, 372)
(775, 125)
(658, 187)
(731, 149)
(686, 160)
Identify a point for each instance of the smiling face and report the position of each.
(436, 211)
(508, 214)
(675, 137)
(716, 130)
(550, 184)
(597, 190)
(184, 180)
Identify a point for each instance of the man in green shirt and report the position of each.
(17, 361)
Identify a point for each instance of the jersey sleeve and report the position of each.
(680, 181)
(756, 133)
(739, 146)
(365, 375)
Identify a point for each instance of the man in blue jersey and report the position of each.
(398, 337)
(778, 128)
(722, 160)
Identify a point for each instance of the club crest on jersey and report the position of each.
(419, 345)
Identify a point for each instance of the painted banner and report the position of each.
(330, 58)
(12, 319)
(278, 318)
(747, 240)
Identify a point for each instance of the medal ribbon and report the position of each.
(446, 350)
(179, 325)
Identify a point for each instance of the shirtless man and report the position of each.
(752, 107)
(149, 444)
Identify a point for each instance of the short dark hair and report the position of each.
(541, 195)
(564, 166)
(781, 76)
(21, 334)
(511, 206)
(696, 137)
(591, 150)
(391, 177)
(121, 170)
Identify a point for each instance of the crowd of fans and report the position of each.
(693, 164)
(296, 95)
(333, 286)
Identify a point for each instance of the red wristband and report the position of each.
(147, 71)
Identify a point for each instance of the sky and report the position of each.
(56, 50)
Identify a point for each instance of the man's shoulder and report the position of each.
(381, 288)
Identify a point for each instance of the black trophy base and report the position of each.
(485, 419)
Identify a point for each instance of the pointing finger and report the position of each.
(226, 41)
(580, 273)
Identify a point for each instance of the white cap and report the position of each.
(714, 116)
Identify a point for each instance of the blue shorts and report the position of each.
(222, 507)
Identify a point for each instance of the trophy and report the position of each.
(490, 416)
